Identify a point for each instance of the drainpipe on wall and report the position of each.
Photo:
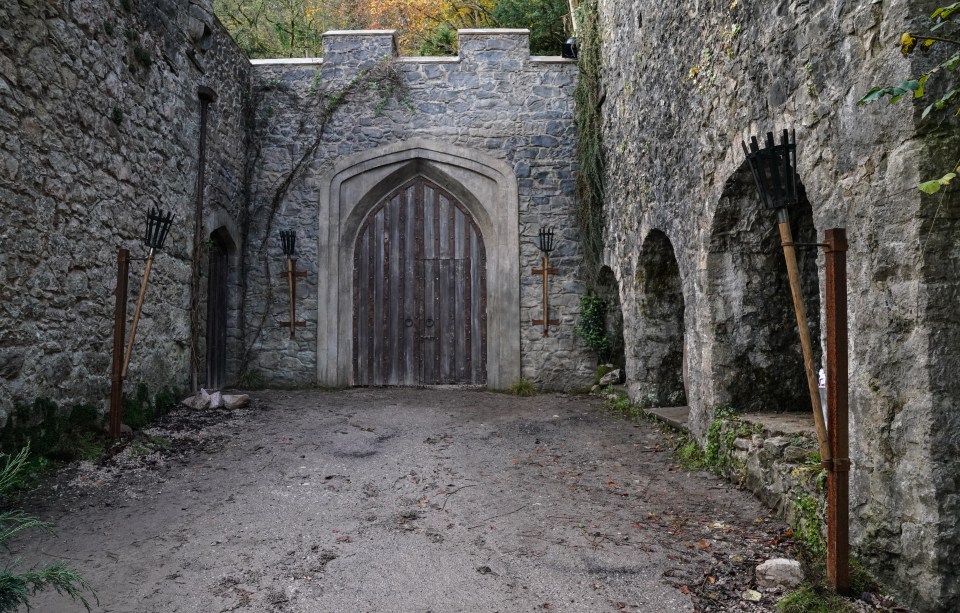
(207, 96)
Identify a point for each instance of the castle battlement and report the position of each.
(363, 48)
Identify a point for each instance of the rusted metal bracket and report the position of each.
(545, 271)
(806, 245)
(292, 274)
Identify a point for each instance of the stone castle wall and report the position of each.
(685, 84)
(99, 120)
(493, 100)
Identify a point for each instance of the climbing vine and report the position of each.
(588, 98)
(383, 80)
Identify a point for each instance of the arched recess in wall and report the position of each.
(660, 341)
(485, 187)
(221, 247)
(608, 289)
(757, 361)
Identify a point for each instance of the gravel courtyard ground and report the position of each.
(403, 500)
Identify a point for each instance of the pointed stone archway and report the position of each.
(486, 190)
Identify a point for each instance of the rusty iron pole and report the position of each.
(292, 284)
(838, 493)
(119, 330)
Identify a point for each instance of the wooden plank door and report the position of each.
(216, 358)
(419, 291)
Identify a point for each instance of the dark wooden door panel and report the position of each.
(419, 292)
(216, 355)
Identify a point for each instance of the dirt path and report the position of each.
(404, 501)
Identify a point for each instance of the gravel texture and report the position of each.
(403, 500)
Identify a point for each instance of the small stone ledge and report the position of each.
(551, 59)
(429, 59)
(773, 455)
(299, 61)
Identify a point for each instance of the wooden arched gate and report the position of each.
(419, 291)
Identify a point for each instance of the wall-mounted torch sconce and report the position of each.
(155, 234)
(546, 246)
(288, 241)
(775, 171)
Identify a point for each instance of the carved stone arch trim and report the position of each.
(355, 185)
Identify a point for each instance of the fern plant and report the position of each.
(17, 585)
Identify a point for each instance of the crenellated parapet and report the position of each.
(503, 49)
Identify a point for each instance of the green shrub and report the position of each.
(523, 387)
(812, 599)
(592, 326)
(16, 586)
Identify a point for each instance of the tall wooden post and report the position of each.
(793, 271)
(838, 503)
(136, 313)
(119, 329)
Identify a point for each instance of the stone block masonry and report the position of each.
(494, 123)
(684, 84)
(99, 120)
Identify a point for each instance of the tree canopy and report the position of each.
(294, 28)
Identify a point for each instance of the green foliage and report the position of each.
(440, 41)
(250, 380)
(544, 19)
(18, 586)
(138, 411)
(807, 526)
(621, 404)
(142, 56)
(523, 387)
(725, 428)
(689, 454)
(592, 324)
(590, 188)
(272, 29)
(813, 599)
(915, 89)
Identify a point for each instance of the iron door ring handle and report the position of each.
(429, 322)
(408, 322)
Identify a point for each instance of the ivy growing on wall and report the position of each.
(588, 98)
(379, 84)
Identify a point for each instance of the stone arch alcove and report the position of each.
(756, 358)
(487, 190)
(659, 376)
(608, 288)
